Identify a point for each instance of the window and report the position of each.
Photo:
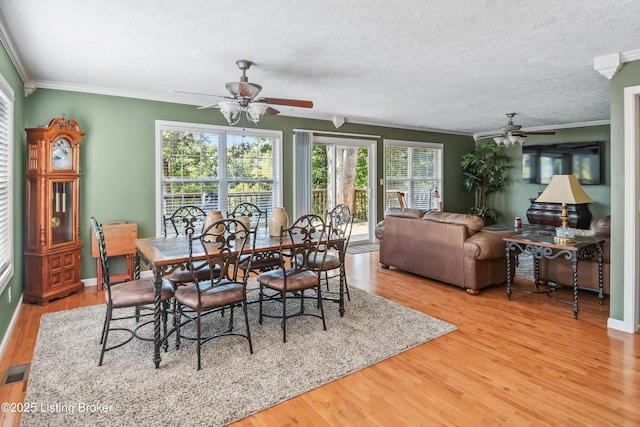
(6, 183)
(216, 167)
(415, 169)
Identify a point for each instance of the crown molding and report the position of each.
(609, 65)
(7, 41)
(180, 99)
(303, 114)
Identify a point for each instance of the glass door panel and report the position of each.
(342, 174)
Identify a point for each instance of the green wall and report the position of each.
(515, 201)
(7, 308)
(118, 152)
(628, 76)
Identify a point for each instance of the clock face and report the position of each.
(61, 154)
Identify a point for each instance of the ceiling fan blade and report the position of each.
(208, 106)
(485, 135)
(201, 94)
(271, 112)
(290, 102)
(550, 132)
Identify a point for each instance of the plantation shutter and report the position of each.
(6, 182)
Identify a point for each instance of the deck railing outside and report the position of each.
(209, 201)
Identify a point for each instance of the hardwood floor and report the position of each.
(519, 362)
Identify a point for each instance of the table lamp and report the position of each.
(564, 189)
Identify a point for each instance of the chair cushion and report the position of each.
(260, 263)
(295, 282)
(223, 294)
(181, 275)
(137, 292)
(331, 262)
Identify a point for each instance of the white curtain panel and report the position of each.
(302, 176)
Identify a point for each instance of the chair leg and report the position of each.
(346, 285)
(260, 299)
(284, 316)
(324, 324)
(199, 326)
(105, 325)
(246, 324)
(105, 334)
(230, 317)
(177, 321)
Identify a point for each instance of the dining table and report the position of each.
(164, 255)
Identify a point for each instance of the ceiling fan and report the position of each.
(243, 98)
(509, 134)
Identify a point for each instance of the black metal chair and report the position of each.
(260, 261)
(129, 294)
(221, 243)
(184, 221)
(340, 222)
(308, 237)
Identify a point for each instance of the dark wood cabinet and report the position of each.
(549, 214)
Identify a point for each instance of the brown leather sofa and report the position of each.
(444, 246)
(559, 270)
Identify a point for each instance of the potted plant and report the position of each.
(484, 171)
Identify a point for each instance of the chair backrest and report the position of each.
(253, 212)
(309, 237)
(222, 243)
(184, 221)
(340, 223)
(401, 200)
(102, 249)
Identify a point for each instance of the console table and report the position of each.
(549, 214)
(543, 246)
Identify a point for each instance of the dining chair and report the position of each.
(187, 221)
(260, 261)
(307, 238)
(339, 224)
(129, 294)
(221, 243)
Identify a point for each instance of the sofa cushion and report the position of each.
(601, 226)
(473, 222)
(486, 245)
(405, 212)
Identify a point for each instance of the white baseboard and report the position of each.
(7, 334)
(621, 325)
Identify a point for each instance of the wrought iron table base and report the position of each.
(538, 252)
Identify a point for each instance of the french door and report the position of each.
(344, 172)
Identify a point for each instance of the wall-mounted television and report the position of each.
(582, 159)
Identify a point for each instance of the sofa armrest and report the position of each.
(486, 245)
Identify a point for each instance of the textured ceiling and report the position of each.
(455, 65)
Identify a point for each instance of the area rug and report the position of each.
(364, 248)
(69, 388)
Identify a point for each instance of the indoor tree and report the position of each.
(484, 171)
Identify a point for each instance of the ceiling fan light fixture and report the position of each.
(231, 111)
(256, 110)
(500, 140)
(513, 139)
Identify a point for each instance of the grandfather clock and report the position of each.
(52, 256)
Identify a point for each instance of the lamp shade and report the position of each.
(564, 189)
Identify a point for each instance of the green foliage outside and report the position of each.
(191, 160)
(319, 166)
